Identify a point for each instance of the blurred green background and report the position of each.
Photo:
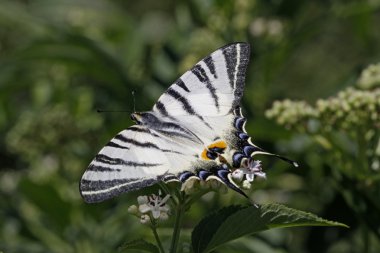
(60, 60)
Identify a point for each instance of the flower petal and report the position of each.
(164, 208)
(165, 199)
(261, 174)
(144, 208)
(156, 213)
(250, 177)
(142, 200)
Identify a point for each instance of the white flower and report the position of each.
(155, 204)
(253, 170)
(250, 169)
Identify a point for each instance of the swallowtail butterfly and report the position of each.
(195, 129)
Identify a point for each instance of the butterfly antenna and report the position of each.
(101, 111)
(134, 101)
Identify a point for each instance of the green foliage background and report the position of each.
(60, 60)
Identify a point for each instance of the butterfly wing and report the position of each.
(135, 158)
(203, 103)
(206, 95)
(206, 99)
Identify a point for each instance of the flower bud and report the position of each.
(133, 210)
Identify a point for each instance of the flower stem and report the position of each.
(154, 230)
(178, 223)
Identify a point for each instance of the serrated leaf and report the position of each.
(139, 244)
(233, 222)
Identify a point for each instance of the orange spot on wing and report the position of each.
(219, 144)
(204, 155)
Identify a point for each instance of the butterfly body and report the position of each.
(195, 130)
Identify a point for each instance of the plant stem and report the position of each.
(365, 239)
(154, 230)
(178, 223)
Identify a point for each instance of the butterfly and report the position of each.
(195, 130)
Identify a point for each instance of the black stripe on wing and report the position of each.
(115, 145)
(117, 161)
(122, 138)
(161, 108)
(237, 59)
(141, 130)
(241, 71)
(181, 84)
(230, 57)
(99, 190)
(210, 65)
(174, 133)
(185, 104)
(147, 144)
(201, 74)
(107, 163)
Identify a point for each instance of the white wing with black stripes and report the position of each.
(135, 158)
(195, 130)
(206, 95)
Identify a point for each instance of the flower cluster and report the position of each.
(350, 109)
(351, 118)
(151, 207)
(249, 169)
(292, 114)
(268, 27)
(370, 77)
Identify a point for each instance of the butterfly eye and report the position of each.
(133, 117)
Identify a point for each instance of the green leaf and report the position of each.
(233, 222)
(139, 244)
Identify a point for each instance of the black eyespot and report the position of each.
(185, 175)
(211, 155)
(243, 136)
(203, 174)
(236, 159)
(217, 150)
(222, 174)
(239, 123)
(248, 150)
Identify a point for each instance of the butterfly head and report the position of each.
(136, 117)
(145, 118)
